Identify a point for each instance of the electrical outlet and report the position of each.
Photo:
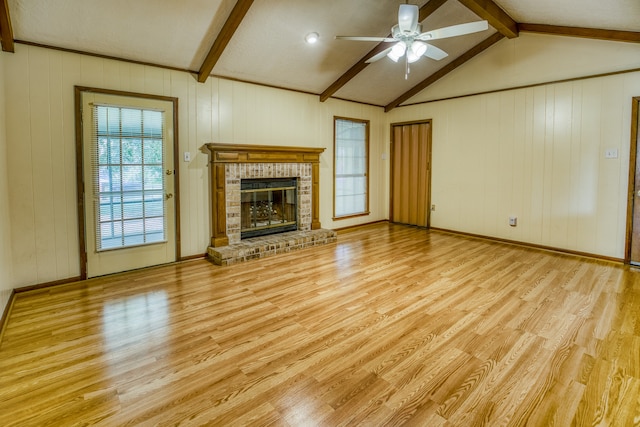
(513, 221)
(611, 153)
(433, 207)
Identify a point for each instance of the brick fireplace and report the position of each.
(232, 163)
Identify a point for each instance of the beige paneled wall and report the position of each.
(5, 223)
(41, 147)
(532, 59)
(537, 154)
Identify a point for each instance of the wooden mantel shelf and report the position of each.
(242, 153)
(222, 154)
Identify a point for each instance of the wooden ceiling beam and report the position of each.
(445, 70)
(6, 32)
(425, 11)
(589, 33)
(498, 18)
(228, 29)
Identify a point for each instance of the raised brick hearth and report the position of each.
(274, 244)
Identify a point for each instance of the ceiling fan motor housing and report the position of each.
(398, 34)
(408, 18)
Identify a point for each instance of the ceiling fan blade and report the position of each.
(408, 18)
(434, 52)
(454, 30)
(366, 39)
(379, 56)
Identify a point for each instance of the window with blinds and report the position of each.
(128, 180)
(351, 167)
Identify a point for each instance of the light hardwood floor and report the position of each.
(392, 325)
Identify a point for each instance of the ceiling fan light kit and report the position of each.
(416, 50)
(397, 51)
(411, 41)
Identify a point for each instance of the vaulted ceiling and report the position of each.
(263, 41)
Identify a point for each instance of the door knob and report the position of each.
(168, 196)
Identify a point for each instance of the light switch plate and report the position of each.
(611, 153)
(187, 156)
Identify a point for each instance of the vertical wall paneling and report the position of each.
(469, 202)
(40, 134)
(6, 267)
(590, 153)
(560, 160)
(71, 73)
(197, 168)
(506, 146)
(489, 130)
(91, 70)
(575, 165)
(547, 163)
(153, 80)
(112, 75)
(516, 203)
(43, 167)
(537, 153)
(609, 169)
(526, 171)
(59, 166)
(225, 112)
(537, 194)
(19, 166)
(531, 59)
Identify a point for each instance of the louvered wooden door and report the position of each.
(411, 173)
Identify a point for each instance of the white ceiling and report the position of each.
(607, 14)
(268, 47)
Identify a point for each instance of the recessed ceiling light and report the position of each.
(312, 38)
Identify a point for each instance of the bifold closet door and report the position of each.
(410, 174)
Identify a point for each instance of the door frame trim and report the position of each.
(78, 92)
(635, 118)
(429, 160)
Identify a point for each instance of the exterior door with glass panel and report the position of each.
(128, 182)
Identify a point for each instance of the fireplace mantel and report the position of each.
(226, 154)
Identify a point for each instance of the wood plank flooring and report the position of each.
(392, 325)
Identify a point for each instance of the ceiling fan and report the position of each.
(411, 42)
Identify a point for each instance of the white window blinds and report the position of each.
(351, 167)
(128, 179)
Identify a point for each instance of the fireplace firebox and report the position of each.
(268, 206)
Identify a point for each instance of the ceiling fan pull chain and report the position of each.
(407, 70)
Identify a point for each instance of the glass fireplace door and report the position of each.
(268, 206)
